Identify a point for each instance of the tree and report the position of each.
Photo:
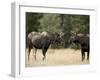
(50, 23)
(32, 23)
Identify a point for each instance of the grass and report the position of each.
(55, 57)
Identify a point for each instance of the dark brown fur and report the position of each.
(42, 41)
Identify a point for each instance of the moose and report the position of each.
(83, 40)
(42, 41)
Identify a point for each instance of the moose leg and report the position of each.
(29, 50)
(44, 50)
(83, 54)
(88, 55)
(35, 53)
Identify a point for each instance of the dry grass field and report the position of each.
(55, 57)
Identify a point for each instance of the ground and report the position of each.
(55, 57)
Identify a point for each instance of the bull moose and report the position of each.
(83, 40)
(42, 41)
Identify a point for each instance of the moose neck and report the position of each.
(52, 38)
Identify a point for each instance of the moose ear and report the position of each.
(56, 34)
(61, 34)
(73, 33)
(80, 34)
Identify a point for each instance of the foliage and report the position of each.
(50, 23)
(56, 23)
(32, 23)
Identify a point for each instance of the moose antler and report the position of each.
(75, 31)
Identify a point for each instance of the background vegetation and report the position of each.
(56, 23)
